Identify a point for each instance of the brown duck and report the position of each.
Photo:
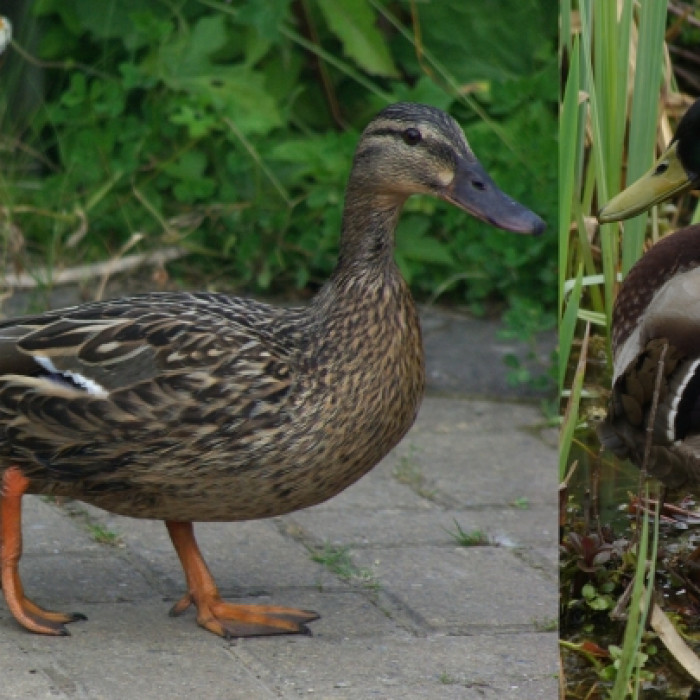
(656, 319)
(184, 407)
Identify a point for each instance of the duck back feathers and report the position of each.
(656, 329)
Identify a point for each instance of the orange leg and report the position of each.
(226, 619)
(27, 613)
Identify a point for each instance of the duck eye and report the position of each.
(412, 136)
(661, 168)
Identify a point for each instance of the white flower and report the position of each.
(5, 33)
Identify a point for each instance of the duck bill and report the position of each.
(666, 178)
(474, 191)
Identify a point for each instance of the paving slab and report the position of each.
(462, 590)
(506, 665)
(397, 527)
(130, 651)
(410, 613)
(472, 355)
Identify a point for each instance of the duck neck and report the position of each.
(366, 275)
(367, 238)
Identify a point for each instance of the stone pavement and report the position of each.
(405, 611)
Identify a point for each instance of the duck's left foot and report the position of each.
(36, 619)
(27, 613)
(230, 620)
(227, 619)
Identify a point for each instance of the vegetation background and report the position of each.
(228, 129)
(629, 622)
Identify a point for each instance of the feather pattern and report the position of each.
(224, 392)
(198, 406)
(658, 307)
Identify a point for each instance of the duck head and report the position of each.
(677, 170)
(417, 149)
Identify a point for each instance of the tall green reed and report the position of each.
(614, 56)
(615, 60)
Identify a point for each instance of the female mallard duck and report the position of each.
(657, 317)
(184, 407)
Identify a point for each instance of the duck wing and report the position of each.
(82, 389)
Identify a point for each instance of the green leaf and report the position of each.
(588, 591)
(113, 18)
(478, 41)
(192, 183)
(147, 29)
(265, 17)
(598, 604)
(66, 11)
(77, 91)
(353, 22)
(322, 156)
(189, 166)
(198, 122)
(192, 51)
(424, 90)
(236, 91)
(412, 243)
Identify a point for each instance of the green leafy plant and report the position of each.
(608, 132)
(338, 561)
(228, 129)
(474, 538)
(521, 503)
(610, 672)
(102, 535)
(599, 599)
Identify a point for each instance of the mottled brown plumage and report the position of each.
(187, 407)
(656, 324)
(209, 399)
